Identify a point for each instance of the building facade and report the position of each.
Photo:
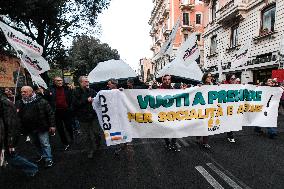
(165, 15)
(231, 24)
(146, 69)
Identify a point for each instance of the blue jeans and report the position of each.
(23, 164)
(76, 125)
(41, 141)
(270, 130)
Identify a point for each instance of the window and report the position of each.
(185, 19)
(268, 19)
(198, 37)
(198, 18)
(234, 36)
(214, 9)
(213, 45)
(185, 2)
(185, 36)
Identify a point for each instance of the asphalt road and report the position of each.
(252, 162)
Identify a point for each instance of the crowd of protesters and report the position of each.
(40, 113)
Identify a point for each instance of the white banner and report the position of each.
(241, 56)
(174, 113)
(28, 51)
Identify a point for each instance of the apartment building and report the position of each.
(164, 16)
(146, 69)
(231, 24)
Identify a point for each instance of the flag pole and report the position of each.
(17, 81)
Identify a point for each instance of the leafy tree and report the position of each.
(49, 21)
(86, 52)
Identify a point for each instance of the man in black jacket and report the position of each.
(37, 119)
(60, 101)
(82, 107)
(9, 132)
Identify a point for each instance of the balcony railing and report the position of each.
(161, 20)
(188, 27)
(152, 33)
(166, 32)
(152, 48)
(166, 10)
(231, 10)
(188, 4)
(158, 42)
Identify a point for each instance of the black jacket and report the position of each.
(36, 116)
(81, 107)
(9, 123)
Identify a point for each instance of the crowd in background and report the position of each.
(38, 113)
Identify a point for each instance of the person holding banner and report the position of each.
(171, 144)
(231, 79)
(207, 79)
(271, 131)
(82, 107)
(112, 84)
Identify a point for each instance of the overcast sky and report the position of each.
(125, 28)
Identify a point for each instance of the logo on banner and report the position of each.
(105, 116)
(33, 63)
(115, 136)
(190, 51)
(213, 125)
(25, 42)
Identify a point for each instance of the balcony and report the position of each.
(188, 27)
(166, 10)
(186, 5)
(153, 47)
(166, 32)
(152, 33)
(233, 11)
(158, 42)
(161, 20)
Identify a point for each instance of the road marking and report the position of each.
(208, 177)
(220, 166)
(183, 142)
(230, 174)
(223, 176)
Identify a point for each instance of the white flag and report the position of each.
(185, 65)
(188, 51)
(241, 57)
(20, 41)
(39, 81)
(28, 50)
(168, 45)
(35, 64)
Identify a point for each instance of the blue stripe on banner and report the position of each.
(115, 134)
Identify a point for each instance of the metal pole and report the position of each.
(16, 86)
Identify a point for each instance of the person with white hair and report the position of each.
(83, 109)
(37, 119)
